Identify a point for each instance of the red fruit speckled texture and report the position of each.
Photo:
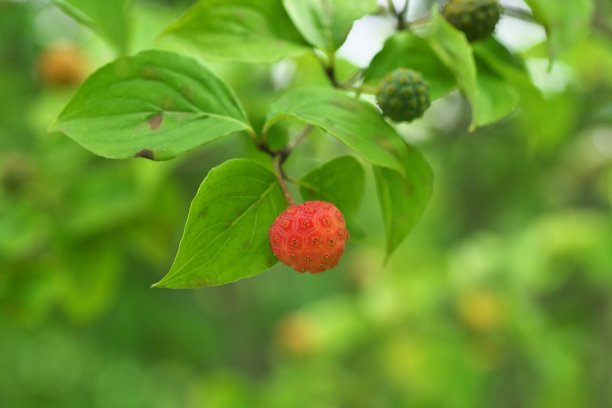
(309, 237)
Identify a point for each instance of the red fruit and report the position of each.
(309, 237)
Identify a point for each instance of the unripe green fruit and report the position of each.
(476, 18)
(403, 95)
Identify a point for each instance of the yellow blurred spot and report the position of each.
(297, 334)
(480, 310)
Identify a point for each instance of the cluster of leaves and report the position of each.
(159, 104)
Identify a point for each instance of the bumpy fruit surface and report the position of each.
(309, 237)
(476, 18)
(403, 95)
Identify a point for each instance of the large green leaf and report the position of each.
(453, 49)
(326, 23)
(239, 30)
(403, 198)
(496, 56)
(496, 97)
(341, 182)
(406, 50)
(110, 18)
(502, 76)
(156, 105)
(226, 235)
(355, 123)
(566, 22)
(536, 110)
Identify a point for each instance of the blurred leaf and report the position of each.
(16, 52)
(110, 18)
(23, 228)
(29, 293)
(102, 199)
(406, 50)
(341, 182)
(403, 197)
(90, 281)
(155, 105)
(226, 234)
(239, 30)
(326, 23)
(355, 123)
(566, 23)
(453, 49)
(570, 237)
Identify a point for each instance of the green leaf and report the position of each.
(501, 76)
(406, 50)
(109, 18)
(326, 23)
(503, 80)
(156, 105)
(239, 30)
(355, 123)
(341, 182)
(497, 57)
(496, 97)
(403, 198)
(455, 52)
(226, 235)
(566, 22)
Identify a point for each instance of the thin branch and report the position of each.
(307, 129)
(280, 176)
(401, 16)
(329, 68)
(353, 80)
(391, 7)
(280, 156)
(420, 21)
(519, 13)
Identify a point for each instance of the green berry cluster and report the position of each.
(403, 95)
(476, 18)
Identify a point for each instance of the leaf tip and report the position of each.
(158, 285)
(53, 127)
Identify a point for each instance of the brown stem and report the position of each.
(280, 156)
(280, 176)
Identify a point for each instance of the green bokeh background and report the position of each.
(501, 297)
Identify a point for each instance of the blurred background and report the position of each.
(501, 297)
